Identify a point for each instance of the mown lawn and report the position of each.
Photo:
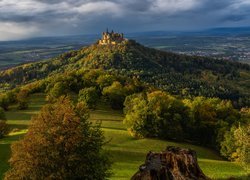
(126, 152)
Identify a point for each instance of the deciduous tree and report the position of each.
(60, 144)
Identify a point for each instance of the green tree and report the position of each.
(210, 118)
(60, 144)
(4, 129)
(242, 141)
(105, 80)
(137, 116)
(236, 145)
(2, 114)
(89, 95)
(4, 102)
(155, 114)
(115, 94)
(56, 91)
(22, 99)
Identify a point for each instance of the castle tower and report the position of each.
(111, 38)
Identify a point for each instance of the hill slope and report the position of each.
(126, 152)
(178, 74)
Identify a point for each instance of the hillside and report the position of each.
(157, 92)
(126, 152)
(178, 74)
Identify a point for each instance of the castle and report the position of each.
(111, 38)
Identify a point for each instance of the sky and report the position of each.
(20, 19)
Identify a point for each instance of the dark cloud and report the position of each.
(56, 17)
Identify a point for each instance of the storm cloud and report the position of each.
(30, 18)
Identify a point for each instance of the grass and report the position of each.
(126, 152)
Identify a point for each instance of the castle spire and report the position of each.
(107, 30)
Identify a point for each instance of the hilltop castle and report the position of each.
(111, 38)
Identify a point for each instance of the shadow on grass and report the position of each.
(17, 126)
(4, 156)
(19, 115)
(10, 139)
(246, 177)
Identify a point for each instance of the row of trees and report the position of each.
(17, 96)
(91, 86)
(207, 121)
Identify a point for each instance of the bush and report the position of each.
(60, 144)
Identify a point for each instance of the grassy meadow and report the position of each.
(126, 152)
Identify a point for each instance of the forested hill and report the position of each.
(178, 74)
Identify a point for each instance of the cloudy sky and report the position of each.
(31, 18)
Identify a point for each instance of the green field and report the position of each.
(127, 153)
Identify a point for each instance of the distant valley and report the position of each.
(229, 44)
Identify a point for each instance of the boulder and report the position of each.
(173, 163)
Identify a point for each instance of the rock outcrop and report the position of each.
(172, 164)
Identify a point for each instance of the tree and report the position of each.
(2, 114)
(56, 91)
(209, 119)
(242, 142)
(4, 129)
(22, 99)
(105, 80)
(89, 95)
(155, 114)
(116, 95)
(4, 102)
(60, 144)
(137, 116)
(236, 145)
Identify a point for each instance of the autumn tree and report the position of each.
(60, 144)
